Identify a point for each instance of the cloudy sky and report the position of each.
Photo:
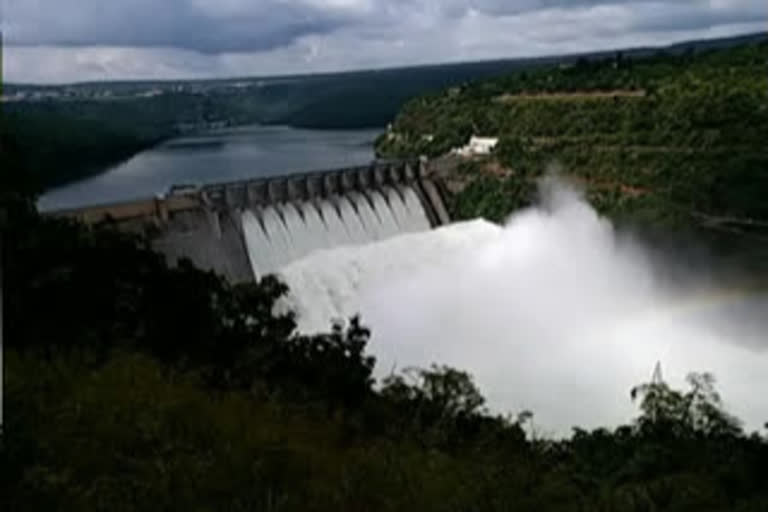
(73, 40)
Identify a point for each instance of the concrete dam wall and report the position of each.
(246, 229)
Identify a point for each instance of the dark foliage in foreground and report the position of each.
(133, 386)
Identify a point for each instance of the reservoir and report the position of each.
(218, 156)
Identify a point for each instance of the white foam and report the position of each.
(552, 313)
(280, 234)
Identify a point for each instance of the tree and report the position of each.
(447, 392)
(695, 413)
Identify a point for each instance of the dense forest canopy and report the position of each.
(673, 138)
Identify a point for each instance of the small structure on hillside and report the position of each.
(183, 190)
(478, 146)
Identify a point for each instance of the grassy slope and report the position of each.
(685, 142)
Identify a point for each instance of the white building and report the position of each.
(478, 146)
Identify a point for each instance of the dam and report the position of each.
(246, 229)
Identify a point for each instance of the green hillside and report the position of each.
(60, 142)
(92, 126)
(674, 138)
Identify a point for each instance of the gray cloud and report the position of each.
(48, 40)
(217, 26)
(206, 26)
(710, 14)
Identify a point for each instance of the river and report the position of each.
(222, 155)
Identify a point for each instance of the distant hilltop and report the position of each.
(121, 119)
(136, 88)
(673, 137)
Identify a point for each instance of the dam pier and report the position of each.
(249, 228)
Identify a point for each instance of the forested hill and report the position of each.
(70, 132)
(676, 138)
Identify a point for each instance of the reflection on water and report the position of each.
(192, 145)
(223, 155)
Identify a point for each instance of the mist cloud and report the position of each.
(555, 312)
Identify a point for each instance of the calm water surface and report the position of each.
(224, 155)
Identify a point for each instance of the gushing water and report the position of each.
(338, 234)
(279, 234)
(261, 261)
(359, 233)
(389, 226)
(415, 211)
(554, 313)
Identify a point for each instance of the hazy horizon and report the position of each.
(379, 69)
(82, 41)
